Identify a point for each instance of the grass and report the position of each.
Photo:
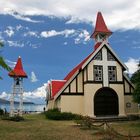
(36, 127)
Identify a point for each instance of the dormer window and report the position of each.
(110, 56)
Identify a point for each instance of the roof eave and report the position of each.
(65, 86)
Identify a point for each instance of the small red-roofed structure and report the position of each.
(18, 70)
(17, 74)
(100, 26)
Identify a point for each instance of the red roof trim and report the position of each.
(71, 73)
(18, 70)
(56, 85)
(79, 66)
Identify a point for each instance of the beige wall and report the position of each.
(90, 90)
(57, 103)
(66, 90)
(72, 104)
(85, 75)
(73, 86)
(80, 82)
(50, 104)
(127, 87)
(90, 71)
(132, 90)
(134, 106)
(119, 89)
(119, 72)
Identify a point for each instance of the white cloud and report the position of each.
(65, 43)
(132, 65)
(76, 20)
(11, 63)
(15, 44)
(52, 33)
(31, 33)
(37, 96)
(4, 95)
(22, 17)
(83, 37)
(33, 77)
(9, 31)
(38, 93)
(117, 13)
(18, 27)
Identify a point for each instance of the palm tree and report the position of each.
(2, 61)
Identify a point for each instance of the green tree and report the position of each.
(2, 62)
(136, 81)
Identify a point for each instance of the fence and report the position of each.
(90, 122)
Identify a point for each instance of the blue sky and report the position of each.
(53, 36)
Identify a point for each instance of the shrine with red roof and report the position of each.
(98, 86)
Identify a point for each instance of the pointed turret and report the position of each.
(101, 32)
(18, 70)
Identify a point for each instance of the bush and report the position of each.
(1, 111)
(55, 114)
(133, 117)
(16, 118)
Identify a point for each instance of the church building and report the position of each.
(98, 85)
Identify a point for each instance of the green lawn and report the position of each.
(36, 127)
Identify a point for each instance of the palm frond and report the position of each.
(4, 65)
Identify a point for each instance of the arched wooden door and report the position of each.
(106, 102)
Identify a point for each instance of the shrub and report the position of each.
(16, 118)
(133, 117)
(1, 111)
(55, 114)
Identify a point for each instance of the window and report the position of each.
(98, 72)
(98, 56)
(112, 73)
(110, 57)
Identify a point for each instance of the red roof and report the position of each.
(100, 26)
(79, 66)
(18, 70)
(56, 85)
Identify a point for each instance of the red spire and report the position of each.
(18, 70)
(100, 26)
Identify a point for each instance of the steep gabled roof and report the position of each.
(18, 70)
(56, 85)
(84, 63)
(100, 26)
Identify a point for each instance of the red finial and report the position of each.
(18, 70)
(100, 26)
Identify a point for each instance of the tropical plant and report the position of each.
(136, 81)
(2, 61)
